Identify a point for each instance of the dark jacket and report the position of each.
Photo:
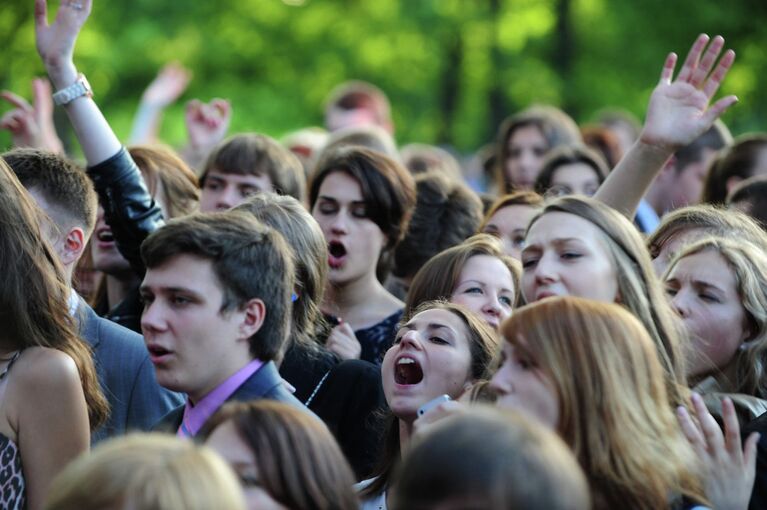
(266, 383)
(759, 494)
(126, 377)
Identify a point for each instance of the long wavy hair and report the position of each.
(639, 289)
(614, 411)
(34, 296)
(749, 266)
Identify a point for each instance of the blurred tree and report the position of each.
(452, 68)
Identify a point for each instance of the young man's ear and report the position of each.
(72, 246)
(254, 313)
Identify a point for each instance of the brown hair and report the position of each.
(528, 198)
(352, 95)
(65, 186)
(298, 461)
(256, 154)
(490, 459)
(162, 168)
(604, 142)
(368, 136)
(483, 344)
(569, 155)
(446, 213)
(614, 411)
(287, 216)
(749, 267)
(421, 158)
(34, 296)
(714, 138)
(750, 196)
(387, 188)
(147, 472)
(249, 259)
(556, 126)
(738, 161)
(438, 278)
(639, 289)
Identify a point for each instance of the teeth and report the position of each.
(405, 361)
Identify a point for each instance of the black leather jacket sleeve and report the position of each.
(129, 209)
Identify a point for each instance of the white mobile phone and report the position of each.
(431, 404)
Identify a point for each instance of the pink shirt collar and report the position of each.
(195, 416)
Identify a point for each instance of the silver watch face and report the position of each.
(79, 88)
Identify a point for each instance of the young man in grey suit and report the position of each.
(217, 299)
(66, 195)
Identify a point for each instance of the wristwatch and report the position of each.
(79, 88)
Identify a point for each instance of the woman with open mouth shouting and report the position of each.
(442, 350)
(363, 201)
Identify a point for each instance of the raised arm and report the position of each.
(128, 207)
(31, 125)
(164, 90)
(678, 113)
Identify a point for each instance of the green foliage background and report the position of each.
(452, 68)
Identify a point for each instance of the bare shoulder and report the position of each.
(42, 368)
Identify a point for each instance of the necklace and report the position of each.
(10, 361)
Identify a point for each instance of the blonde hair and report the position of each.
(614, 409)
(749, 267)
(639, 289)
(147, 472)
(710, 220)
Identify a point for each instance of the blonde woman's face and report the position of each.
(226, 441)
(509, 224)
(703, 291)
(566, 255)
(486, 288)
(522, 386)
(674, 245)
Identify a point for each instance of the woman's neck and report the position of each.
(405, 432)
(347, 300)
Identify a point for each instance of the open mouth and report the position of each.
(157, 353)
(105, 236)
(407, 371)
(336, 254)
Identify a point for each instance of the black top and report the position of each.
(759, 494)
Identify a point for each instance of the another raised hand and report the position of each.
(678, 112)
(56, 42)
(343, 342)
(165, 89)
(728, 467)
(206, 125)
(31, 125)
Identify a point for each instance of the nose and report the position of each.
(339, 224)
(492, 306)
(680, 303)
(227, 198)
(544, 271)
(500, 384)
(412, 339)
(152, 320)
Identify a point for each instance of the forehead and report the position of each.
(240, 179)
(574, 171)
(708, 266)
(342, 187)
(513, 217)
(527, 134)
(184, 272)
(439, 316)
(558, 225)
(485, 269)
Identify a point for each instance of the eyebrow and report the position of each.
(504, 289)
(169, 290)
(333, 199)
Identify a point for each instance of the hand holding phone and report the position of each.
(431, 404)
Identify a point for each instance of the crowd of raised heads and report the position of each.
(574, 317)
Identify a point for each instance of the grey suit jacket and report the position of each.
(266, 383)
(126, 376)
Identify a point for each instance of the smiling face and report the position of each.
(430, 357)
(574, 179)
(193, 346)
(509, 224)
(222, 191)
(703, 291)
(227, 442)
(486, 288)
(526, 150)
(354, 241)
(566, 255)
(522, 386)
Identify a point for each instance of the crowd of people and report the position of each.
(330, 321)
